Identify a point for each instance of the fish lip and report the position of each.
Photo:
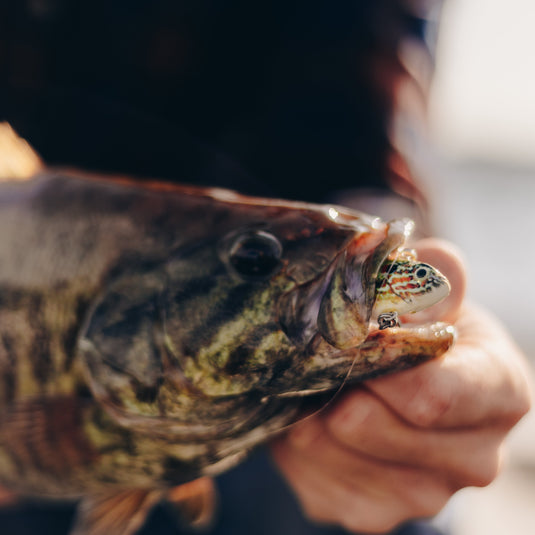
(382, 352)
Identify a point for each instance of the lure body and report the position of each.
(153, 334)
(405, 286)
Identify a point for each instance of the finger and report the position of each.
(482, 380)
(335, 485)
(366, 426)
(317, 444)
(448, 260)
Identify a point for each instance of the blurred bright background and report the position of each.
(482, 116)
(482, 190)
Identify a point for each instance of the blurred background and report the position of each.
(482, 121)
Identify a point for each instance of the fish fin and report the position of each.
(122, 513)
(194, 502)
(18, 160)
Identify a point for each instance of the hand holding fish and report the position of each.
(400, 446)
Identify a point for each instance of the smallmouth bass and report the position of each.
(152, 334)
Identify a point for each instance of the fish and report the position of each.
(153, 334)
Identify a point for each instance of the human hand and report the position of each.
(399, 446)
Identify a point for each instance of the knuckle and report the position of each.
(431, 505)
(315, 508)
(522, 403)
(428, 405)
(482, 472)
(314, 512)
(482, 480)
(306, 435)
(351, 522)
(356, 523)
(427, 498)
(351, 414)
(491, 469)
(484, 476)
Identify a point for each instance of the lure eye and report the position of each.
(421, 273)
(255, 255)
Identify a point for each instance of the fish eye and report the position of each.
(421, 272)
(255, 255)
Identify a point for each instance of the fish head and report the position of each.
(254, 299)
(251, 298)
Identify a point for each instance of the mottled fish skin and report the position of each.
(133, 353)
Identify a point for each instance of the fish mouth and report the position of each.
(338, 304)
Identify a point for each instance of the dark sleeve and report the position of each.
(287, 99)
(254, 499)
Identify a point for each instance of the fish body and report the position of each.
(152, 334)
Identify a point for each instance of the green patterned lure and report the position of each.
(405, 286)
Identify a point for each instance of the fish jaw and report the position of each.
(382, 352)
(399, 348)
